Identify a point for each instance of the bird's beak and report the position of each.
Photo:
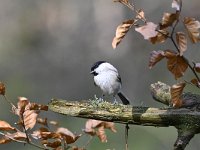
(92, 72)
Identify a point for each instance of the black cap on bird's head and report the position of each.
(96, 65)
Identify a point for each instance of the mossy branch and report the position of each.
(186, 120)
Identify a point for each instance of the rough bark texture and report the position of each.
(186, 119)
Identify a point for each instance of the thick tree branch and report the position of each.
(186, 120)
(147, 116)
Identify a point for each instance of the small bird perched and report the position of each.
(107, 78)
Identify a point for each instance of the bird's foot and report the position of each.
(115, 102)
(100, 100)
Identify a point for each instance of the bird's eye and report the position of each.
(94, 73)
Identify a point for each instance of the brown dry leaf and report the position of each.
(38, 133)
(176, 4)
(67, 135)
(2, 89)
(30, 119)
(77, 148)
(42, 121)
(170, 53)
(125, 1)
(197, 67)
(168, 19)
(195, 82)
(28, 112)
(89, 129)
(101, 134)
(5, 140)
(90, 125)
(182, 42)
(122, 1)
(100, 126)
(192, 25)
(121, 31)
(44, 133)
(101, 130)
(161, 36)
(176, 64)
(155, 56)
(109, 125)
(35, 106)
(54, 144)
(176, 92)
(148, 30)
(16, 136)
(140, 14)
(22, 102)
(49, 135)
(5, 126)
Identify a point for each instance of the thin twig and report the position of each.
(64, 144)
(126, 135)
(24, 142)
(27, 136)
(88, 142)
(35, 145)
(177, 20)
(5, 97)
(162, 33)
(23, 124)
(193, 70)
(132, 7)
(173, 41)
(181, 3)
(173, 29)
(186, 60)
(189, 82)
(15, 140)
(176, 46)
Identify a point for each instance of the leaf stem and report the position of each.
(5, 97)
(24, 142)
(132, 7)
(189, 65)
(13, 138)
(177, 48)
(193, 70)
(24, 127)
(173, 41)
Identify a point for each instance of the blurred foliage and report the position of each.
(47, 48)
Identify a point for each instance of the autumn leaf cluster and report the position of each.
(30, 127)
(166, 29)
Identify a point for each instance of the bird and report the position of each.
(107, 78)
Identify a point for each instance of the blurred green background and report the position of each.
(47, 48)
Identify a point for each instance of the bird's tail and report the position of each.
(124, 100)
